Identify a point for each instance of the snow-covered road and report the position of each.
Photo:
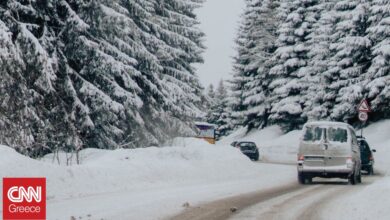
(161, 202)
(305, 203)
(284, 201)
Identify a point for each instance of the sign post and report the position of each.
(364, 108)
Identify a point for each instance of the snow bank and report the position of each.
(274, 146)
(131, 168)
(378, 137)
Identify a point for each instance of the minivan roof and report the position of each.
(327, 123)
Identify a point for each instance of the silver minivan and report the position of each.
(328, 150)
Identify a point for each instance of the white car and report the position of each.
(328, 150)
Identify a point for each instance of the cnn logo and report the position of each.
(23, 194)
(24, 198)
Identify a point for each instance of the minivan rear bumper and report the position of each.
(330, 172)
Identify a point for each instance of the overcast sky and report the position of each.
(219, 20)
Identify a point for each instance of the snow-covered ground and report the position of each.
(154, 183)
(148, 183)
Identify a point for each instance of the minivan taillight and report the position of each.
(349, 162)
(371, 158)
(301, 157)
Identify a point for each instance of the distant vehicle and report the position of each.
(366, 155)
(248, 148)
(206, 131)
(328, 150)
(233, 144)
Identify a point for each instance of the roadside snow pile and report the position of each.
(274, 146)
(107, 171)
(63, 158)
(378, 137)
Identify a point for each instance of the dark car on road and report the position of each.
(366, 155)
(248, 148)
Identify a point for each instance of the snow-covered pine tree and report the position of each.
(330, 54)
(184, 46)
(288, 89)
(111, 76)
(13, 94)
(210, 92)
(261, 38)
(377, 81)
(176, 45)
(319, 55)
(219, 112)
(350, 50)
(239, 79)
(92, 73)
(32, 100)
(210, 97)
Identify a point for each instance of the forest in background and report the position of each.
(306, 60)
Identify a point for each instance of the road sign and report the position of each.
(363, 116)
(364, 107)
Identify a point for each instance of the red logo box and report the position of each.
(24, 198)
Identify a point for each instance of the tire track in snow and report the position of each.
(291, 201)
(289, 206)
(317, 210)
(220, 209)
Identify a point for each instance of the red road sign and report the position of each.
(363, 116)
(364, 107)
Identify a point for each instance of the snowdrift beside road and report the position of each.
(274, 146)
(104, 170)
(378, 137)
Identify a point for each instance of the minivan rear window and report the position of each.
(313, 134)
(337, 134)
